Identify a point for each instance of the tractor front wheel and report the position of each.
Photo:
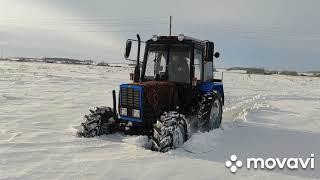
(210, 111)
(170, 132)
(98, 122)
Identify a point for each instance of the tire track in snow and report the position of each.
(233, 117)
(239, 111)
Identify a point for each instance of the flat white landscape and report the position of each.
(40, 104)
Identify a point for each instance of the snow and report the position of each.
(42, 104)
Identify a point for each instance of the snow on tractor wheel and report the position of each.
(98, 122)
(169, 132)
(210, 112)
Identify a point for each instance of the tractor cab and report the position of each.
(179, 59)
(174, 72)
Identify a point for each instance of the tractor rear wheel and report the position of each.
(210, 111)
(170, 132)
(98, 122)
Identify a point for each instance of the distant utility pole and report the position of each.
(170, 25)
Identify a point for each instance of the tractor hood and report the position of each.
(159, 95)
(151, 97)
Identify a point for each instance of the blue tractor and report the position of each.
(173, 94)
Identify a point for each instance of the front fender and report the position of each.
(212, 86)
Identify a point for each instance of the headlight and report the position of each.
(136, 113)
(154, 38)
(124, 111)
(180, 37)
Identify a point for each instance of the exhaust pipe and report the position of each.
(137, 68)
(115, 116)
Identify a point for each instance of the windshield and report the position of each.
(171, 63)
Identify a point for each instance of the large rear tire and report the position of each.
(98, 122)
(210, 111)
(170, 132)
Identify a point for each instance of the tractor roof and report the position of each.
(175, 39)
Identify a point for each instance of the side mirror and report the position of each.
(128, 49)
(216, 55)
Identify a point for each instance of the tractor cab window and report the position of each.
(156, 63)
(168, 63)
(179, 65)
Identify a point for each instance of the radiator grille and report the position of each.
(130, 98)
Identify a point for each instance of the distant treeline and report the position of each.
(250, 70)
(66, 61)
(314, 72)
(51, 60)
(62, 61)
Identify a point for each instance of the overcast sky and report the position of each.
(277, 34)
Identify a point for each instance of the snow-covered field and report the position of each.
(264, 116)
